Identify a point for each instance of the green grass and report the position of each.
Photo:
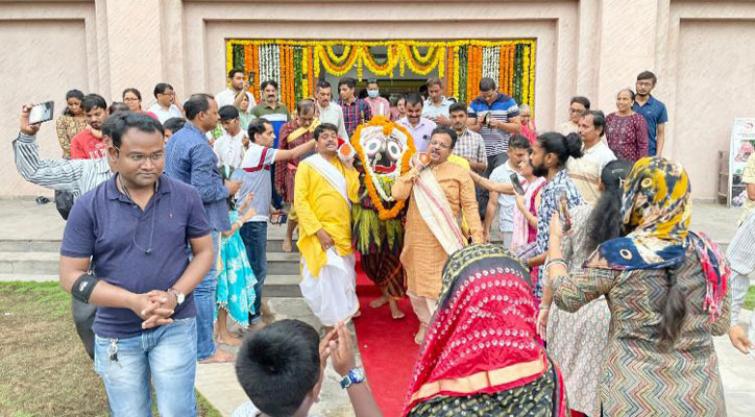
(44, 370)
(750, 299)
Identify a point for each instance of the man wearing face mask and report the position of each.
(420, 127)
(379, 105)
(294, 133)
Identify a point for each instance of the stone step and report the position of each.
(275, 285)
(10, 245)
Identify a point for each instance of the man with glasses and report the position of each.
(578, 107)
(440, 192)
(124, 250)
(190, 159)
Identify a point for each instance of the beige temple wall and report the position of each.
(703, 52)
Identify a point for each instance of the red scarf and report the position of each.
(482, 338)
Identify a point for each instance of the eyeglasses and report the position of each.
(440, 144)
(140, 158)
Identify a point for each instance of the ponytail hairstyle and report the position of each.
(605, 218)
(562, 146)
(672, 312)
(77, 94)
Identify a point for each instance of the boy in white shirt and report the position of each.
(230, 146)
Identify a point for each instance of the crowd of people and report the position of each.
(508, 230)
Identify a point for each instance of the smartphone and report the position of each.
(486, 120)
(250, 78)
(517, 185)
(41, 112)
(563, 211)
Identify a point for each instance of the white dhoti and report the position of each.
(332, 296)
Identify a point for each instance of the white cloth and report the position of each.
(330, 173)
(228, 96)
(431, 111)
(436, 212)
(162, 114)
(586, 171)
(333, 114)
(332, 296)
(230, 149)
(506, 202)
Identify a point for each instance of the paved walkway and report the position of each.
(23, 220)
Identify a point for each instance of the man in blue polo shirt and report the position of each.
(652, 110)
(124, 251)
(190, 159)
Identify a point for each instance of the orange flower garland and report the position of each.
(388, 126)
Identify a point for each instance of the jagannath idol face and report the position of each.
(383, 153)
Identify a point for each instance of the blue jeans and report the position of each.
(254, 235)
(166, 354)
(204, 300)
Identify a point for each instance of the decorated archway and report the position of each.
(297, 64)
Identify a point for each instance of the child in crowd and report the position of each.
(235, 293)
(281, 369)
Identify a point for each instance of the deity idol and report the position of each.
(383, 150)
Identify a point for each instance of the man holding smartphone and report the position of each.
(505, 203)
(231, 96)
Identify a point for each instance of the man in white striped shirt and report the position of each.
(75, 176)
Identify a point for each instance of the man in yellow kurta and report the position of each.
(324, 188)
(440, 194)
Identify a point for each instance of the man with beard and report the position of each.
(549, 156)
(440, 192)
(652, 110)
(294, 133)
(232, 96)
(325, 187)
(88, 143)
(420, 127)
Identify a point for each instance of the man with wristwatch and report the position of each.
(281, 369)
(124, 251)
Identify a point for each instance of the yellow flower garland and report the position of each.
(319, 54)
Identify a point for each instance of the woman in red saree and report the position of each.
(480, 356)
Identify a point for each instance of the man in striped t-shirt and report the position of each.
(496, 117)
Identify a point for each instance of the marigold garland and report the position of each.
(388, 126)
(461, 63)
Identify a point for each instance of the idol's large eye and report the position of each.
(372, 146)
(394, 150)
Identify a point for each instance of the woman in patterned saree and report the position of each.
(578, 342)
(480, 357)
(666, 288)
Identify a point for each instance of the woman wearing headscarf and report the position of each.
(578, 342)
(480, 356)
(666, 288)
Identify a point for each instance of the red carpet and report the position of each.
(387, 347)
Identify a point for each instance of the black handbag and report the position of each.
(64, 203)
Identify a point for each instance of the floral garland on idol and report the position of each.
(297, 64)
(382, 129)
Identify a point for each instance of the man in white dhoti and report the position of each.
(324, 188)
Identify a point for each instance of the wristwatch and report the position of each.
(355, 376)
(180, 297)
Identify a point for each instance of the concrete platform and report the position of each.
(30, 239)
